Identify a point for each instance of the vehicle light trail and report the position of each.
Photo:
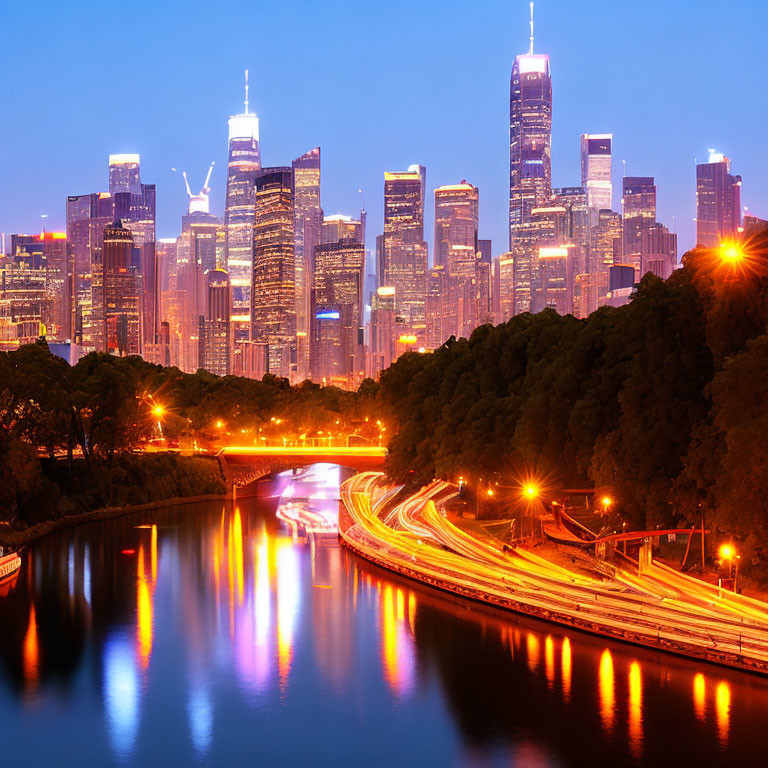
(661, 608)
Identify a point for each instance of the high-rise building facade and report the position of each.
(308, 216)
(122, 293)
(638, 201)
(402, 253)
(214, 333)
(273, 290)
(336, 325)
(530, 138)
(596, 172)
(243, 162)
(718, 201)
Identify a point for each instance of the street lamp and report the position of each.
(727, 553)
(606, 502)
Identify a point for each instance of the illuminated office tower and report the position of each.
(87, 218)
(401, 250)
(718, 201)
(121, 284)
(605, 242)
(124, 174)
(456, 248)
(166, 253)
(214, 333)
(556, 258)
(383, 330)
(244, 160)
(438, 315)
(530, 139)
(456, 222)
(26, 304)
(505, 287)
(638, 201)
(273, 293)
(47, 251)
(577, 224)
(658, 251)
(588, 291)
(308, 216)
(336, 327)
(134, 205)
(596, 172)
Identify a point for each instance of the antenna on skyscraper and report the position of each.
(246, 91)
(362, 200)
(531, 51)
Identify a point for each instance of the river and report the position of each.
(224, 634)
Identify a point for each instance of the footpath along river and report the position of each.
(216, 634)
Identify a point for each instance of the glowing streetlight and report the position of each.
(531, 491)
(727, 553)
(158, 411)
(219, 424)
(490, 492)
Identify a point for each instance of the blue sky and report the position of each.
(377, 86)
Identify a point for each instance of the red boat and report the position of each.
(9, 570)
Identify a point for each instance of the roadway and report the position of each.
(661, 608)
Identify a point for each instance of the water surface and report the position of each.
(225, 634)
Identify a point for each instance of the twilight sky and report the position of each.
(378, 86)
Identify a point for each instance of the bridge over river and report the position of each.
(243, 465)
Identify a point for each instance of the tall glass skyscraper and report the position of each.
(718, 201)
(273, 294)
(244, 160)
(638, 201)
(402, 252)
(308, 217)
(530, 139)
(596, 172)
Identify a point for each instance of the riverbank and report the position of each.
(78, 494)
(11, 538)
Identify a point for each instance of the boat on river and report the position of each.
(10, 563)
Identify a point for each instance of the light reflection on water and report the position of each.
(245, 629)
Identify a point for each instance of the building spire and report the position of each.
(246, 87)
(531, 50)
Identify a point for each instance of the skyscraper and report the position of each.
(336, 340)
(121, 308)
(308, 216)
(718, 201)
(530, 137)
(244, 160)
(134, 205)
(456, 249)
(401, 250)
(273, 290)
(638, 200)
(596, 172)
(214, 334)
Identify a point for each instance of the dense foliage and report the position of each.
(664, 401)
(67, 432)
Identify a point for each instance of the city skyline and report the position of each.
(479, 156)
